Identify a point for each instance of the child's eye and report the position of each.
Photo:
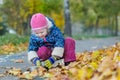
(37, 33)
(41, 32)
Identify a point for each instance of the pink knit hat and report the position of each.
(38, 21)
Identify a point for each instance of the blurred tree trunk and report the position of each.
(28, 25)
(19, 26)
(116, 25)
(97, 24)
(112, 23)
(67, 29)
(17, 5)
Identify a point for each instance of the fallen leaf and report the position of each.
(2, 75)
(19, 61)
(101, 64)
(28, 76)
(15, 71)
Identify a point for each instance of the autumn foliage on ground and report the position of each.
(102, 64)
(11, 43)
(11, 48)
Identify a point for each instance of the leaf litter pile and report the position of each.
(101, 64)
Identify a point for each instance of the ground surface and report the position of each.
(8, 61)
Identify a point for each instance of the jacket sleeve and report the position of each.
(59, 43)
(59, 39)
(33, 47)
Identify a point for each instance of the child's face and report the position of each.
(41, 33)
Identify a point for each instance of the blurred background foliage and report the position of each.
(92, 13)
(94, 17)
(18, 13)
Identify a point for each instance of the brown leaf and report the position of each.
(34, 73)
(2, 75)
(19, 61)
(103, 64)
(15, 71)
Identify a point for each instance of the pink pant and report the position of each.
(69, 51)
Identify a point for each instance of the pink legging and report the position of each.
(69, 51)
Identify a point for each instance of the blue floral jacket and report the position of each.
(53, 39)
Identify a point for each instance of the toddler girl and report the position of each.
(47, 43)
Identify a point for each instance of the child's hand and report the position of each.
(49, 62)
(36, 61)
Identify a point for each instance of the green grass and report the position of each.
(16, 40)
(12, 38)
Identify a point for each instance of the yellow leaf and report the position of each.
(81, 74)
(95, 54)
(94, 65)
(28, 76)
(48, 75)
